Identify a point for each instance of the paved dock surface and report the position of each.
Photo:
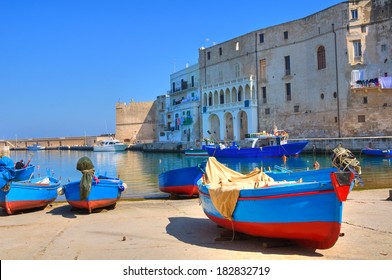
(167, 229)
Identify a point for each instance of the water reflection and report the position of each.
(140, 170)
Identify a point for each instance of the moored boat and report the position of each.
(261, 145)
(377, 152)
(181, 181)
(110, 145)
(35, 147)
(28, 194)
(92, 192)
(307, 212)
(196, 152)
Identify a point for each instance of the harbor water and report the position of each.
(140, 170)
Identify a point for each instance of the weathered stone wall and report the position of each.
(136, 122)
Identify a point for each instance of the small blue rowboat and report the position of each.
(104, 192)
(181, 181)
(7, 166)
(309, 213)
(92, 192)
(28, 194)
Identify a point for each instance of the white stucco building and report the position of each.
(179, 109)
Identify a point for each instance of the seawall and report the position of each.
(318, 145)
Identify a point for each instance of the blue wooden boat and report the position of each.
(7, 166)
(181, 181)
(92, 192)
(261, 145)
(28, 194)
(309, 213)
(377, 152)
(105, 192)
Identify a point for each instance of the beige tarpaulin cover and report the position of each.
(225, 185)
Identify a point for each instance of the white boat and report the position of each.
(35, 147)
(110, 145)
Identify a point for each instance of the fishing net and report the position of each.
(344, 160)
(85, 166)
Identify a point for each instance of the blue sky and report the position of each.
(65, 63)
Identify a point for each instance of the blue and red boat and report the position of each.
(28, 194)
(92, 192)
(104, 192)
(261, 145)
(377, 152)
(309, 213)
(181, 181)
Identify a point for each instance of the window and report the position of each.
(237, 70)
(354, 14)
(383, 47)
(262, 70)
(286, 35)
(287, 65)
(365, 100)
(296, 108)
(267, 111)
(210, 100)
(208, 55)
(288, 92)
(239, 96)
(357, 48)
(193, 81)
(237, 46)
(264, 92)
(220, 51)
(322, 96)
(321, 61)
(261, 38)
(220, 76)
(221, 98)
(363, 28)
(361, 118)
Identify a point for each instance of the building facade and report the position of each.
(302, 76)
(179, 109)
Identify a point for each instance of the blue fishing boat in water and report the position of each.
(306, 212)
(260, 145)
(377, 152)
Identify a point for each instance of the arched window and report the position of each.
(321, 63)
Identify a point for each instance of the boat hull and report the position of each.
(289, 149)
(182, 181)
(196, 152)
(308, 213)
(377, 152)
(111, 148)
(105, 193)
(24, 195)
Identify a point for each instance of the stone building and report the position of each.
(179, 110)
(314, 77)
(136, 122)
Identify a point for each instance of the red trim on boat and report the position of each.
(184, 189)
(12, 206)
(317, 235)
(92, 204)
